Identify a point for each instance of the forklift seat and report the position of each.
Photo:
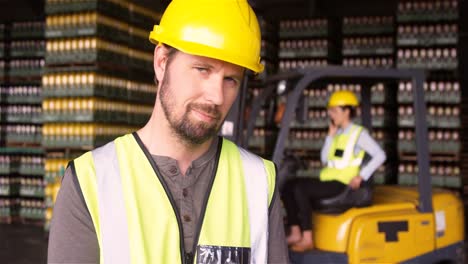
(347, 199)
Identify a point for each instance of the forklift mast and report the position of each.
(234, 123)
(304, 77)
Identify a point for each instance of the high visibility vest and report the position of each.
(342, 163)
(136, 219)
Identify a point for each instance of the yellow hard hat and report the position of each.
(226, 30)
(343, 98)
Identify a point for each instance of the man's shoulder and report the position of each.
(242, 149)
(102, 150)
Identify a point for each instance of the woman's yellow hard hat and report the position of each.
(343, 98)
(226, 30)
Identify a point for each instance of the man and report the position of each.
(175, 192)
(343, 153)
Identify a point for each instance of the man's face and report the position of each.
(338, 115)
(196, 94)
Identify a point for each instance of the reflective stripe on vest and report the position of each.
(348, 159)
(131, 229)
(115, 241)
(257, 198)
(347, 166)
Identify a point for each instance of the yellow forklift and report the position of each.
(374, 224)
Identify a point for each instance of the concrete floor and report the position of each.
(22, 244)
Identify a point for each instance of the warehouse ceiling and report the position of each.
(16, 10)
(21, 10)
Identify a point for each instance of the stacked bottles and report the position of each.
(269, 48)
(28, 30)
(21, 171)
(94, 110)
(32, 210)
(369, 62)
(316, 118)
(89, 84)
(378, 116)
(441, 141)
(22, 94)
(436, 92)
(2, 52)
(311, 168)
(269, 55)
(9, 185)
(428, 58)
(303, 43)
(28, 48)
(24, 114)
(437, 116)
(316, 97)
(367, 25)
(305, 139)
(21, 115)
(409, 11)
(2, 69)
(303, 27)
(367, 46)
(428, 35)
(31, 165)
(9, 209)
(427, 38)
(90, 49)
(285, 65)
(32, 187)
(258, 139)
(54, 171)
(2, 31)
(380, 175)
(83, 136)
(26, 68)
(262, 130)
(368, 42)
(26, 163)
(443, 173)
(22, 134)
(99, 82)
(290, 49)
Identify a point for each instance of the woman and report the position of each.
(342, 153)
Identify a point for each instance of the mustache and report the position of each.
(209, 109)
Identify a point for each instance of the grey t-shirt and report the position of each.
(73, 239)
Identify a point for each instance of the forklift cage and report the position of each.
(369, 76)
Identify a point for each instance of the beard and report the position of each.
(189, 131)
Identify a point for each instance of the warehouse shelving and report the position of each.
(427, 38)
(21, 118)
(368, 41)
(256, 85)
(304, 43)
(98, 81)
